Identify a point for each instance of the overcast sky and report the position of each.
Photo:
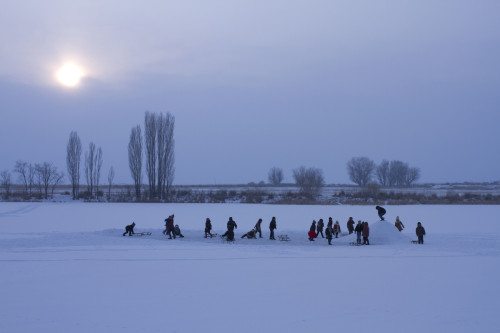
(256, 84)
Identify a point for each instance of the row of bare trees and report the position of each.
(362, 171)
(92, 167)
(157, 146)
(40, 177)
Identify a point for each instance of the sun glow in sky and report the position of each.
(69, 75)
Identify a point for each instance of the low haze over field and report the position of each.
(256, 84)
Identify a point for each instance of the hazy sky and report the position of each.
(256, 84)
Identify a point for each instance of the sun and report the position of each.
(69, 75)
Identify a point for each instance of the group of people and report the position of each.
(362, 229)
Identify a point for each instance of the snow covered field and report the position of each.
(65, 267)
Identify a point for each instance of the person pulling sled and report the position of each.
(420, 231)
(208, 228)
(229, 234)
(272, 227)
(258, 227)
(129, 229)
(169, 227)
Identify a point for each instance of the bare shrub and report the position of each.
(309, 180)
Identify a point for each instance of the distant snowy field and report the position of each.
(65, 267)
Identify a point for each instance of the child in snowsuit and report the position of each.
(208, 228)
(399, 225)
(319, 228)
(358, 230)
(251, 234)
(272, 227)
(177, 231)
(312, 231)
(381, 212)
(129, 229)
(350, 225)
(420, 231)
(366, 233)
(336, 229)
(258, 228)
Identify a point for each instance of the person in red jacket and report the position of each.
(312, 231)
(366, 233)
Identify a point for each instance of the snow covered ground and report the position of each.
(65, 267)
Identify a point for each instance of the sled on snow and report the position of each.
(284, 238)
(414, 241)
(142, 234)
(355, 244)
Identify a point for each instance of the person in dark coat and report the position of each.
(251, 234)
(420, 231)
(350, 225)
(169, 227)
(319, 228)
(231, 225)
(398, 224)
(208, 228)
(358, 230)
(366, 233)
(329, 232)
(272, 227)
(177, 231)
(258, 228)
(336, 229)
(312, 231)
(381, 212)
(129, 229)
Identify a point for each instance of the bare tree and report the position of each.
(397, 173)
(111, 177)
(6, 182)
(412, 175)
(382, 173)
(47, 177)
(135, 158)
(165, 153)
(73, 158)
(360, 170)
(93, 164)
(275, 176)
(56, 179)
(22, 169)
(309, 180)
(150, 134)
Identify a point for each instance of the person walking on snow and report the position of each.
(366, 233)
(319, 228)
(129, 229)
(169, 227)
(398, 224)
(229, 234)
(350, 225)
(258, 228)
(420, 231)
(381, 212)
(312, 231)
(329, 232)
(208, 228)
(272, 227)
